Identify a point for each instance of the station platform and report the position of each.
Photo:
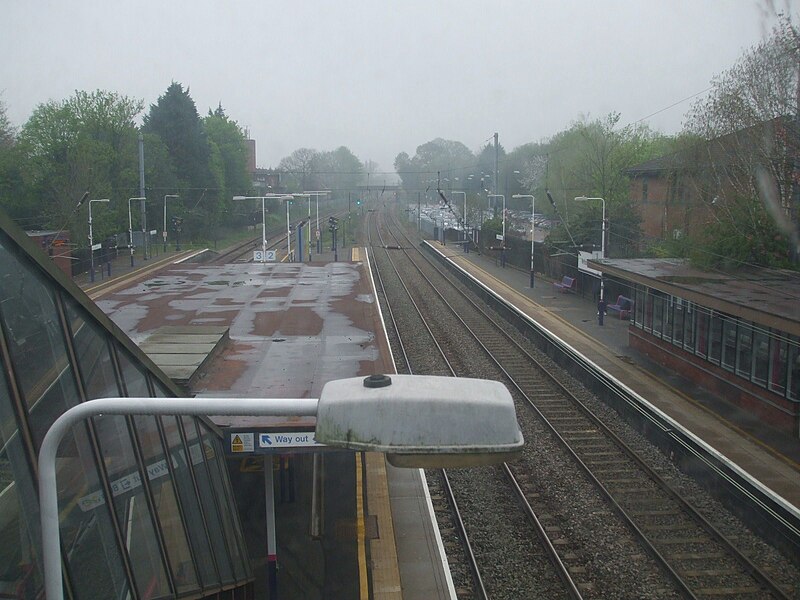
(771, 457)
(347, 525)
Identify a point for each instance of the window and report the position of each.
(639, 307)
(132, 510)
(677, 322)
(715, 338)
(778, 352)
(701, 338)
(794, 369)
(744, 350)
(728, 343)
(658, 313)
(760, 356)
(689, 324)
(190, 503)
(166, 503)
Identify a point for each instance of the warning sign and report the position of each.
(242, 442)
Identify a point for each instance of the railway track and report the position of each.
(666, 536)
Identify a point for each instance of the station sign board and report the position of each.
(584, 257)
(264, 255)
(271, 442)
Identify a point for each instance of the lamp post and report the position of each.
(418, 421)
(300, 250)
(602, 233)
(533, 216)
(263, 219)
(164, 231)
(91, 238)
(316, 195)
(130, 225)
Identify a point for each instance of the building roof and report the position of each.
(769, 297)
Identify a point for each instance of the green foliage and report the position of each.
(747, 236)
(175, 120)
(87, 142)
(444, 157)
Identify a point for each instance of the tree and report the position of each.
(590, 159)
(175, 120)
(746, 167)
(438, 158)
(227, 163)
(11, 169)
(299, 168)
(339, 171)
(87, 142)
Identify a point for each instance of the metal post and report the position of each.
(272, 546)
(91, 246)
(288, 233)
(319, 236)
(533, 229)
(263, 228)
(142, 205)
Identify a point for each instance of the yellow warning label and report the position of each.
(236, 444)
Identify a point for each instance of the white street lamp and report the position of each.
(317, 194)
(603, 233)
(533, 216)
(130, 226)
(164, 231)
(91, 238)
(263, 220)
(418, 421)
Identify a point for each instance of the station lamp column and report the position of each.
(316, 195)
(91, 238)
(533, 216)
(300, 250)
(602, 233)
(130, 225)
(263, 218)
(164, 231)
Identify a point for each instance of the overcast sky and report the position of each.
(381, 77)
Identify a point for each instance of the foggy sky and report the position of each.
(383, 77)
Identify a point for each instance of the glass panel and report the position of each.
(701, 345)
(133, 512)
(132, 375)
(166, 504)
(677, 322)
(639, 307)
(689, 317)
(794, 368)
(36, 343)
(728, 343)
(778, 350)
(198, 536)
(215, 460)
(48, 385)
(197, 454)
(93, 354)
(669, 303)
(160, 390)
(744, 350)
(658, 314)
(715, 338)
(760, 357)
(648, 311)
(20, 566)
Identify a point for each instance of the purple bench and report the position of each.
(566, 285)
(623, 307)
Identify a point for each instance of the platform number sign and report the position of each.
(264, 256)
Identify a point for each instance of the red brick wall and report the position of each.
(723, 384)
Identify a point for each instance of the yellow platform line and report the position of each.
(363, 580)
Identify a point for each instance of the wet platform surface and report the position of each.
(293, 327)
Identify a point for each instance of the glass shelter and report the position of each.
(146, 509)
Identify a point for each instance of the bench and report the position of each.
(623, 306)
(566, 285)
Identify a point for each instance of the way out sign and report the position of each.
(272, 442)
